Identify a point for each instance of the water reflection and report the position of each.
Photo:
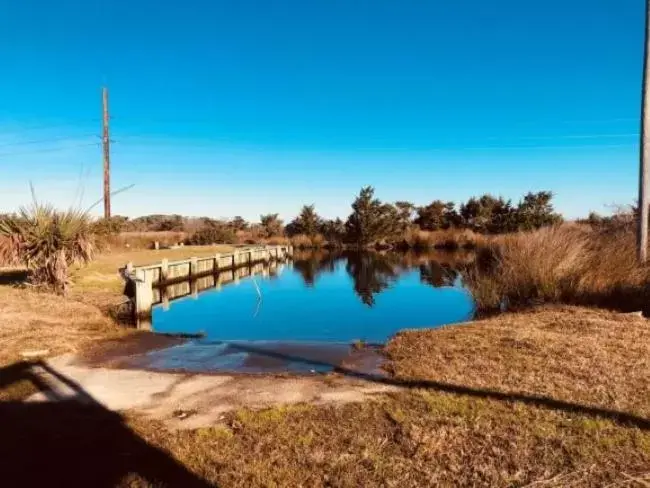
(373, 272)
(312, 264)
(331, 297)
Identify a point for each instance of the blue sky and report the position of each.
(245, 107)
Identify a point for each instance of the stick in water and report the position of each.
(259, 293)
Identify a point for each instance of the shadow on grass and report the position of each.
(624, 418)
(74, 441)
(13, 276)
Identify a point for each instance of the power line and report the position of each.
(54, 126)
(52, 149)
(45, 141)
(567, 136)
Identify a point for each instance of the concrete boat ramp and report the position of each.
(189, 400)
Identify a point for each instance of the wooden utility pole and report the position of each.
(644, 152)
(107, 155)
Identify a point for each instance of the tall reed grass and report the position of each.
(449, 239)
(303, 241)
(569, 263)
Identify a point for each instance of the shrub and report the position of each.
(212, 235)
(302, 241)
(450, 239)
(47, 241)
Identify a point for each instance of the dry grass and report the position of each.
(569, 263)
(587, 356)
(32, 320)
(303, 241)
(450, 239)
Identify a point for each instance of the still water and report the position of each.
(324, 298)
(303, 315)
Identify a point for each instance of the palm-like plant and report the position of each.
(47, 241)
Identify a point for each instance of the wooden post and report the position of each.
(194, 266)
(217, 262)
(143, 300)
(164, 270)
(194, 289)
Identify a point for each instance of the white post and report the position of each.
(164, 270)
(143, 300)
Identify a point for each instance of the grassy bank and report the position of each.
(509, 401)
(552, 397)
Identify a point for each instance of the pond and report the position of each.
(305, 313)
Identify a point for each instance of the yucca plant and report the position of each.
(48, 241)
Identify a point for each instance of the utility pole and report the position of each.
(107, 155)
(644, 152)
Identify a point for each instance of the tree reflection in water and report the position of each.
(437, 274)
(312, 264)
(373, 272)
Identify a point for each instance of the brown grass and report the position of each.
(569, 263)
(32, 320)
(450, 239)
(586, 356)
(303, 241)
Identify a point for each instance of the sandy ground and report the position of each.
(188, 401)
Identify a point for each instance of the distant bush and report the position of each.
(110, 226)
(212, 235)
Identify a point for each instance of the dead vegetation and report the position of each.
(33, 320)
(571, 263)
(448, 239)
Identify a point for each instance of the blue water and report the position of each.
(323, 298)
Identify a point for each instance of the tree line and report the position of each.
(371, 220)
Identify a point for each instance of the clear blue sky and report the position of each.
(246, 107)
